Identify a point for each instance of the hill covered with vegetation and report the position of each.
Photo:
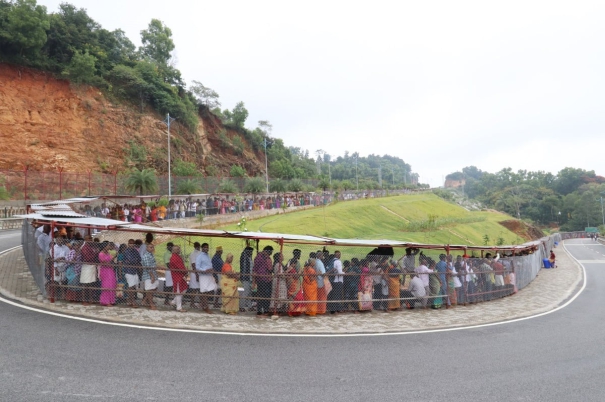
(118, 95)
(572, 199)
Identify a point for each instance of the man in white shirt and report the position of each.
(43, 243)
(337, 293)
(104, 210)
(423, 273)
(194, 285)
(203, 264)
(408, 261)
(59, 256)
(416, 290)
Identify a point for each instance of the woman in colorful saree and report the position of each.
(394, 283)
(366, 288)
(179, 273)
(295, 293)
(279, 288)
(107, 274)
(229, 283)
(310, 288)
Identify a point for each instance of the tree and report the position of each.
(157, 43)
(239, 115)
(25, 26)
(204, 95)
(81, 69)
(569, 179)
(142, 181)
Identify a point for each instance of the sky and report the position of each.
(440, 84)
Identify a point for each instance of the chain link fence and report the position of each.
(212, 273)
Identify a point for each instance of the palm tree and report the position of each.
(142, 181)
(188, 186)
(255, 185)
(277, 186)
(227, 186)
(296, 185)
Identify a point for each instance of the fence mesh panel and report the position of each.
(212, 274)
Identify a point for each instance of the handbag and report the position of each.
(327, 285)
(365, 301)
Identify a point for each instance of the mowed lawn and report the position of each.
(403, 218)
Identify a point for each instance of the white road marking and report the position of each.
(591, 261)
(194, 331)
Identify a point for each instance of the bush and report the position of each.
(238, 145)
(237, 171)
(182, 168)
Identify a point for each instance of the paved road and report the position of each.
(557, 357)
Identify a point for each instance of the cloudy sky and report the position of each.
(440, 84)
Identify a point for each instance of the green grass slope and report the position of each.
(423, 218)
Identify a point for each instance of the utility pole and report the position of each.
(602, 212)
(167, 122)
(356, 177)
(267, 128)
(266, 166)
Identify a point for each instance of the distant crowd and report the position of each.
(190, 207)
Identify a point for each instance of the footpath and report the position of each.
(550, 289)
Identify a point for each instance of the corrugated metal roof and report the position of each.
(61, 213)
(82, 220)
(74, 200)
(103, 223)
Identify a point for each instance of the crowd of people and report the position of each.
(82, 269)
(189, 207)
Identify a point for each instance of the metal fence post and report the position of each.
(25, 183)
(60, 183)
(115, 183)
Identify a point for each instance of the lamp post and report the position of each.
(602, 212)
(167, 122)
(266, 166)
(356, 177)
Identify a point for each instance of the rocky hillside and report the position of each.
(48, 124)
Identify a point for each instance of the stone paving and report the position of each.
(550, 289)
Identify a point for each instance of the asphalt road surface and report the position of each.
(556, 357)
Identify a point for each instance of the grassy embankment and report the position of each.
(422, 218)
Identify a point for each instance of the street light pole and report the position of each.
(167, 122)
(266, 166)
(356, 177)
(602, 212)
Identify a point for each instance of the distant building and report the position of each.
(450, 183)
